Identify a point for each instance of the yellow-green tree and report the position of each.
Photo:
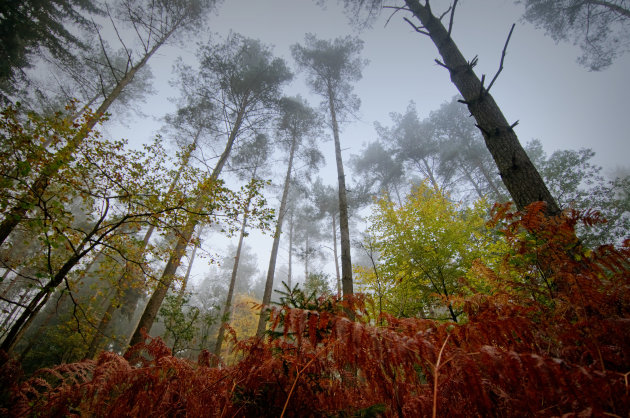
(244, 321)
(420, 250)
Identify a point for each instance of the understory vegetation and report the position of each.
(549, 335)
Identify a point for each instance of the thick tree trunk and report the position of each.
(225, 317)
(63, 156)
(262, 320)
(517, 171)
(168, 275)
(344, 229)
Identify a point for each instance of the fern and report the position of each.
(551, 338)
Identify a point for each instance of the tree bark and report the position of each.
(168, 275)
(344, 229)
(519, 175)
(262, 320)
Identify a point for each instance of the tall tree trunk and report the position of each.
(63, 156)
(517, 171)
(7, 289)
(432, 179)
(289, 272)
(33, 339)
(99, 335)
(182, 290)
(334, 234)
(262, 320)
(168, 275)
(397, 194)
(307, 256)
(225, 317)
(344, 229)
(470, 179)
(489, 179)
(7, 320)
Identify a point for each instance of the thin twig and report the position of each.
(297, 377)
(435, 376)
(13, 303)
(416, 28)
(445, 13)
(441, 64)
(397, 9)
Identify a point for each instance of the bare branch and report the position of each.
(127, 51)
(445, 12)
(450, 23)
(441, 64)
(13, 302)
(416, 28)
(104, 50)
(397, 9)
(502, 58)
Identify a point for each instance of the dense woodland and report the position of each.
(471, 273)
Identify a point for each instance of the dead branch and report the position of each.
(418, 29)
(507, 41)
(441, 64)
(445, 13)
(396, 10)
(450, 23)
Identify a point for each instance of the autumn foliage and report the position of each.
(552, 338)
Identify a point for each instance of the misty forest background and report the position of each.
(160, 178)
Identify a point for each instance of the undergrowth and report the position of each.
(552, 338)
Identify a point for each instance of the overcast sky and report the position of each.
(555, 99)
